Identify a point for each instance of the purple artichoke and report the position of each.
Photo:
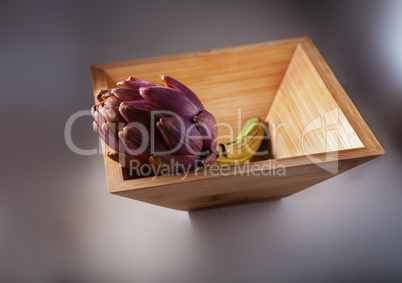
(155, 125)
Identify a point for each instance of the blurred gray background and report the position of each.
(57, 221)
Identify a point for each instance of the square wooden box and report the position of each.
(316, 130)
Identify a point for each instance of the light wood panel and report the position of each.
(342, 99)
(237, 189)
(305, 118)
(287, 79)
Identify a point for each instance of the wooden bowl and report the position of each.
(316, 131)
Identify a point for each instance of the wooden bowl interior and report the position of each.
(278, 84)
(304, 117)
(234, 87)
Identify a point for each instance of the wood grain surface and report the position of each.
(285, 81)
